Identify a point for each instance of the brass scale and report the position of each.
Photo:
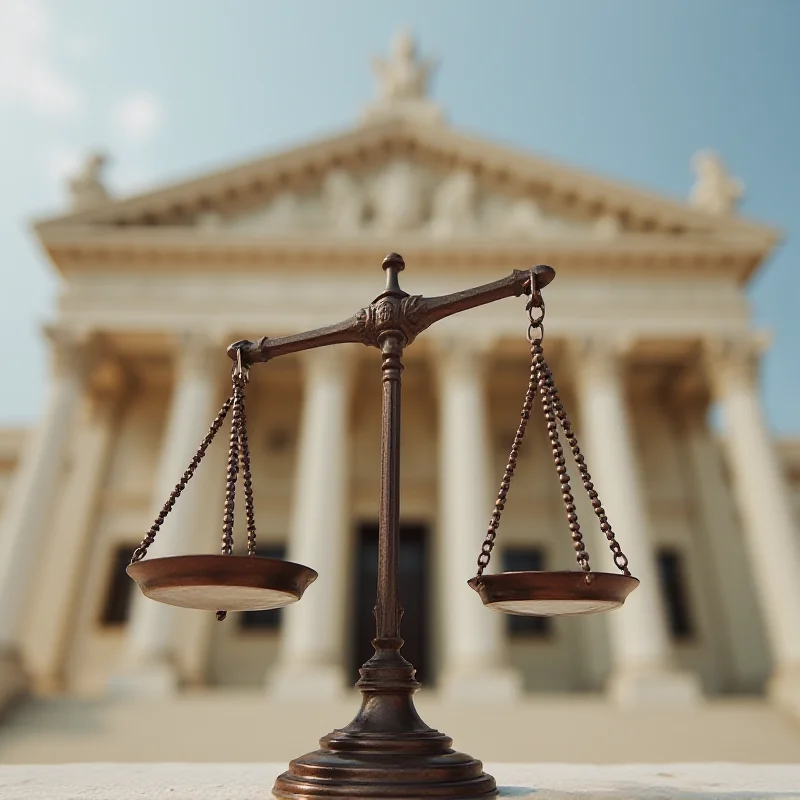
(387, 751)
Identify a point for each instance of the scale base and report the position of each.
(387, 751)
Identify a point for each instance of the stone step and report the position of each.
(250, 727)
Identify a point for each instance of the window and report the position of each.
(526, 559)
(672, 575)
(118, 595)
(264, 620)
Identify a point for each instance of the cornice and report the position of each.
(89, 248)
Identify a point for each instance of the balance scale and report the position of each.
(387, 751)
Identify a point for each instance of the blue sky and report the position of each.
(626, 88)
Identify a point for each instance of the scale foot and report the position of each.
(387, 751)
(395, 775)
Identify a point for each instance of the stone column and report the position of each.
(72, 529)
(473, 637)
(644, 672)
(28, 508)
(311, 659)
(740, 636)
(149, 662)
(762, 496)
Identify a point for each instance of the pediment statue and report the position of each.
(399, 198)
(454, 205)
(525, 217)
(343, 201)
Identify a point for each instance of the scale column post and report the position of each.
(387, 750)
(388, 611)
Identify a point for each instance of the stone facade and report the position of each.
(648, 327)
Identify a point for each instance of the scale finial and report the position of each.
(393, 264)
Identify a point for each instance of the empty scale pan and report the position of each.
(211, 582)
(550, 594)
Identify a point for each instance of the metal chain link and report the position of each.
(232, 471)
(238, 451)
(141, 550)
(247, 481)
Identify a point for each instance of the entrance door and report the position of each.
(413, 596)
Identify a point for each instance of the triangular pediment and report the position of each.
(406, 177)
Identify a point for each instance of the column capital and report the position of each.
(73, 350)
(110, 382)
(197, 352)
(734, 361)
(597, 354)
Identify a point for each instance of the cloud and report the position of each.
(137, 117)
(61, 162)
(29, 75)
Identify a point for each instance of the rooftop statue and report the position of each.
(403, 77)
(403, 81)
(715, 190)
(86, 187)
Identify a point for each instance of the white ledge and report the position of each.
(535, 781)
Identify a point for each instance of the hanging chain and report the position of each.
(239, 376)
(541, 374)
(141, 550)
(620, 559)
(494, 523)
(541, 378)
(238, 451)
(232, 470)
(544, 383)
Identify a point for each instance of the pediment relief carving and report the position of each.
(402, 196)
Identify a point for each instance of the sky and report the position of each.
(169, 88)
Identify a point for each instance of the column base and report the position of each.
(492, 684)
(148, 679)
(655, 689)
(307, 682)
(14, 682)
(783, 688)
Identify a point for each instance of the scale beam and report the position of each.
(392, 310)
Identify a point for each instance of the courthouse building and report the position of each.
(648, 329)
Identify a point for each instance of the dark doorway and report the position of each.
(413, 596)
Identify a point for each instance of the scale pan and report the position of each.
(217, 582)
(551, 594)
